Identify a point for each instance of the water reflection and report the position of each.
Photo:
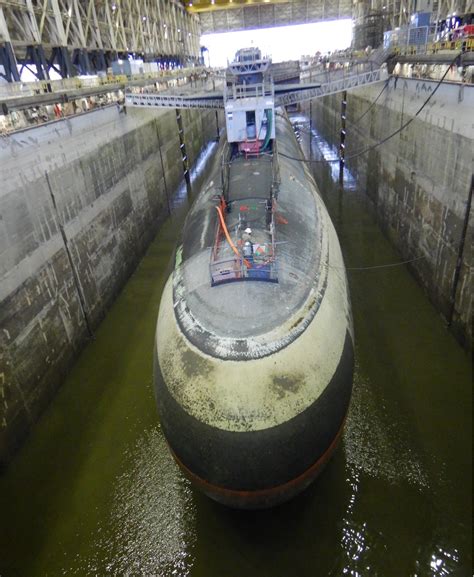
(354, 538)
(321, 150)
(375, 443)
(197, 173)
(443, 563)
(296, 538)
(153, 515)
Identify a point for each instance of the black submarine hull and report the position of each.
(258, 469)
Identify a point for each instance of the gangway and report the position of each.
(160, 100)
(285, 94)
(301, 93)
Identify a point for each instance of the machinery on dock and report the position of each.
(254, 340)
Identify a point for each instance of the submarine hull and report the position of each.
(253, 380)
(258, 469)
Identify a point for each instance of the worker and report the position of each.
(248, 250)
(247, 235)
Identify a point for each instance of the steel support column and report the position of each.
(9, 63)
(80, 59)
(62, 27)
(35, 55)
(62, 58)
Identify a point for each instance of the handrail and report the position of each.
(30, 88)
(465, 44)
(173, 101)
(261, 265)
(332, 87)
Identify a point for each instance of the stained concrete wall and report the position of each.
(419, 181)
(80, 201)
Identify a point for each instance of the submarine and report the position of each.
(254, 346)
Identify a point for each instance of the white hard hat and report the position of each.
(248, 230)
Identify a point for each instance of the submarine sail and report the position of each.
(254, 341)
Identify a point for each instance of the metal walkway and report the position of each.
(331, 87)
(159, 100)
(284, 94)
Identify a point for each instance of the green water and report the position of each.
(95, 492)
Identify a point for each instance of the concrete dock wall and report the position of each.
(80, 201)
(419, 180)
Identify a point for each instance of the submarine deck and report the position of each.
(247, 217)
(243, 309)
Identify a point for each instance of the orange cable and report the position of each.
(229, 240)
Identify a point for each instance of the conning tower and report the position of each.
(249, 102)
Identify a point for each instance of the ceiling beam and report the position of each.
(272, 14)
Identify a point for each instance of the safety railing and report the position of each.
(171, 101)
(249, 259)
(238, 91)
(331, 87)
(461, 45)
(236, 269)
(226, 270)
(21, 89)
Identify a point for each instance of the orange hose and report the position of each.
(229, 240)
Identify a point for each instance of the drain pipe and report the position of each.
(462, 242)
(80, 294)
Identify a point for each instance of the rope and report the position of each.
(392, 264)
(373, 103)
(410, 120)
(229, 240)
